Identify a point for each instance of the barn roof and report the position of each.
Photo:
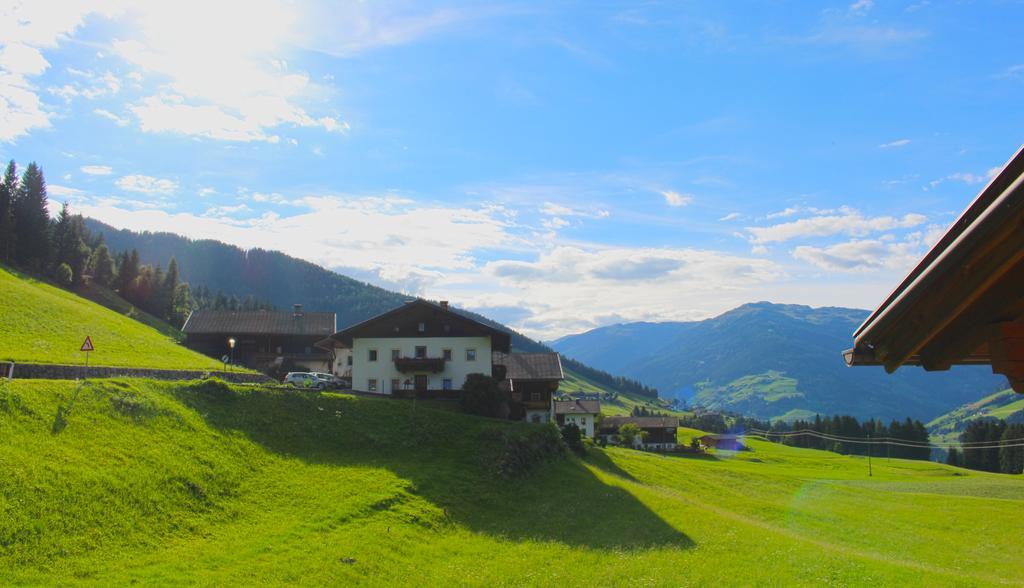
(259, 322)
(577, 407)
(963, 302)
(525, 367)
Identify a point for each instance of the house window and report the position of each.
(371, 385)
(373, 355)
(395, 354)
(422, 327)
(348, 360)
(535, 396)
(446, 383)
(421, 351)
(396, 385)
(471, 355)
(447, 354)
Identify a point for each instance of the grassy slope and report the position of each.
(169, 484)
(623, 403)
(1006, 404)
(40, 323)
(110, 299)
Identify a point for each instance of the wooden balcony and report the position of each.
(434, 365)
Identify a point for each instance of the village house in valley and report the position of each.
(263, 339)
(659, 431)
(426, 350)
(582, 413)
(532, 379)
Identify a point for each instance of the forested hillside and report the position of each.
(774, 361)
(283, 280)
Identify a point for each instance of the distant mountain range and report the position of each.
(283, 280)
(774, 361)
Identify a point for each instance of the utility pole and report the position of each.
(869, 455)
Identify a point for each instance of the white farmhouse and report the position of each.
(582, 413)
(419, 348)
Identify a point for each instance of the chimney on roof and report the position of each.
(444, 304)
(298, 310)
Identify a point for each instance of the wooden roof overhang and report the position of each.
(963, 304)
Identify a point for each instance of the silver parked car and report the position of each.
(304, 380)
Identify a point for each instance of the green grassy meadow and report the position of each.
(44, 324)
(133, 481)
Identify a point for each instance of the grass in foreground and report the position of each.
(40, 323)
(161, 483)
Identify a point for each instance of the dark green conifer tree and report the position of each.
(8, 197)
(32, 220)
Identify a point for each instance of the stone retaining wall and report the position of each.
(73, 372)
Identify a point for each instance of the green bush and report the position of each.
(481, 396)
(214, 389)
(516, 453)
(573, 439)
(64, 275)
(630, 431)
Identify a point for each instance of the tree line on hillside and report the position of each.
(66, 251)
(619, 383)
(817, 433)
(998, 447)
(913, 432)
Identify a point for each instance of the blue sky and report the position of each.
(557, 166)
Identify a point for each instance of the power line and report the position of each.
(893, 439)
(767, 436)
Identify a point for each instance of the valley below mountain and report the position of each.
(774, 361)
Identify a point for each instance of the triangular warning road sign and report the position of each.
(87, 346)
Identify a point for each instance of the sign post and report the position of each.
(87, 346)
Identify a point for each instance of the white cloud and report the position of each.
(1014, 72)
(967, 177)
(896, 143)
(861, 6)
(146, 184)
(26, 28)
(261, 92)
(118, 120)
(730, 217)
(572, 288)
(865, 255)
(64, 192)
(97, 170)
(163, 114)
(673, 198)
(561, 210)
(100, 85)
(438, 251)
(846, 222)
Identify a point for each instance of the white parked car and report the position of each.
(329, 380)
(304, 380)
